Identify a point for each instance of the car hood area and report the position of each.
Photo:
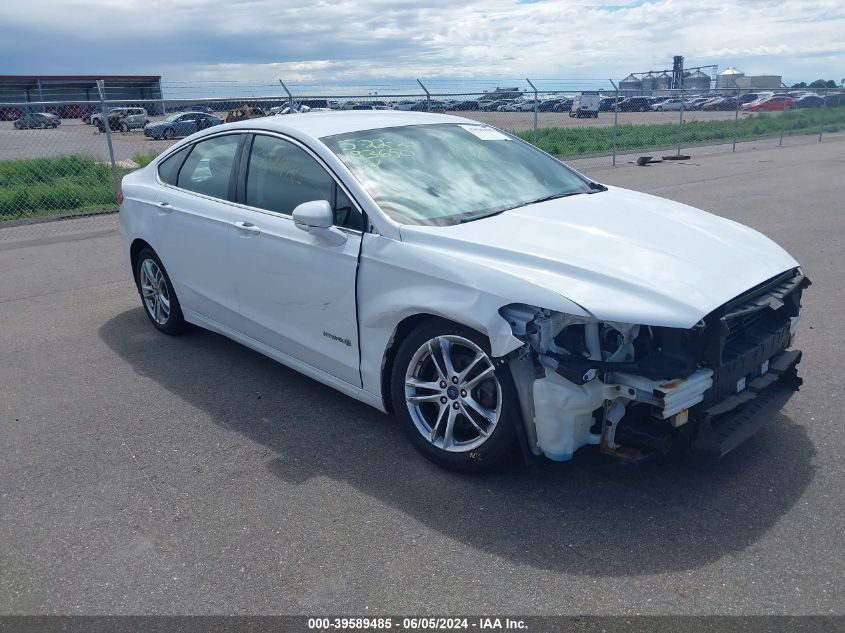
(619, 254)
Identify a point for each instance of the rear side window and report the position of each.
(168, 169)
(208, 168)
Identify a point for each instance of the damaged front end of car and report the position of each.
(637, 390)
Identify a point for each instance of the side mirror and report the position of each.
(316, 218)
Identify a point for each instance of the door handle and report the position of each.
(247, 227)
(164, 207)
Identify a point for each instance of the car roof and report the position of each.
(320, 124)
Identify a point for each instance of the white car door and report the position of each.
(296, 290)
(192, 227)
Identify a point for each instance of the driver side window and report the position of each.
(281, 176)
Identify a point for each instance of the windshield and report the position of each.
(447, 173)
(173, 116)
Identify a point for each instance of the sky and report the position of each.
(376, 43)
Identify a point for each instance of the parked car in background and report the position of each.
(495, 105)
(528, 105)
(695, 103)
(36, 120)
(244, 112)
(548, 105)
(673, 103)
(297, 108)
(425, 106)
(115, 120)
(776, 102)
(404, 105)
(10, 114)
(809, 101)
(635, 104)
(469, 104)
(510, 106)
(492, 304)
(181, 124)
(834, 100)
(720, 103)
(565, 105)
(608, 104)
(709, 102)
(199, 108)
(748, 97)
(123, 119)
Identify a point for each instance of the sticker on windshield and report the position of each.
(485, 133)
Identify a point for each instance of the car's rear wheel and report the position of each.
(457, 408)
(157, 295)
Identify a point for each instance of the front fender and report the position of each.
(397, 280)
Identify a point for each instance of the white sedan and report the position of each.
(669, 104)
(486, 294)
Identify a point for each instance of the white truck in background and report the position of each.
(586, 104)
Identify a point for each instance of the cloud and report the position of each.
(328, 42)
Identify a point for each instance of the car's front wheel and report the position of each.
(169, 133)
(455, 405)
(157, 295)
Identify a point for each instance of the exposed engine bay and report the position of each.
(637, 390)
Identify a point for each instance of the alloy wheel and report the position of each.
(154, 291)
(453, 394)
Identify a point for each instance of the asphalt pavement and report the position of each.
(147, 474)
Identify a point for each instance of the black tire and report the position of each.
(18, 126)
(124, 127)
(175, 323)
(168, 133)
(502, 439)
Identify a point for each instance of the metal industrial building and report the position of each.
(77, 88)
(734, 78)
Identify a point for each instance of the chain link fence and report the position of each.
(60, 159)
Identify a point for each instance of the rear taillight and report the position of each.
(120, 195)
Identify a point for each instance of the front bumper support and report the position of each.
(728, 423)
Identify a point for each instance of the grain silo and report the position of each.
(630, 86)
(727, 78)
(649, 82)
(663, 81)
(697, 80)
